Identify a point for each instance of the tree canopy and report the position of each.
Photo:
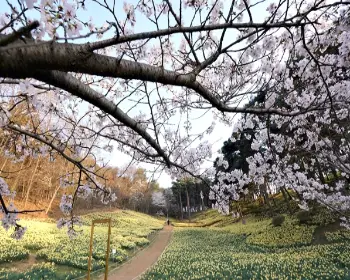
(136, 77)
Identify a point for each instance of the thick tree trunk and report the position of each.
(285, 196)
(181, 209)
(188, 205)
(298, 195)
(320, 174)
(273, 199)
(239, 210)
(263, 189)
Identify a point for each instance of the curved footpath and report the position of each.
(142, 261)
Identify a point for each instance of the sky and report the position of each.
(220, 134)
(117, 158)
(221, 131)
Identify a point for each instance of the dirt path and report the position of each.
(22, 265)
(144, 259)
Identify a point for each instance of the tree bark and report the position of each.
(188, 205)
(181, 207)
(319, 169)
(285, 196)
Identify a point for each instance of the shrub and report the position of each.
(277, 220)
(323, 216)
(303, 216)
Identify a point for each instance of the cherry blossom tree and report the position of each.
(158, 199)
(134, 80)
(163, 199)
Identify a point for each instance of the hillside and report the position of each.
(257, 222)
(213, 246)
(45, 250)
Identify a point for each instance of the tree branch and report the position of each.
(43, 140)
(74, 86)
(8, 39)
(77, 58)
(25, 211)
(190, 29)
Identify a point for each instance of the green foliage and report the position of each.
(10, 249)
(130, 230)
(338, 236)
(303, 216)
(277, 206)
(252, 226)
(278, 220)
(332, 177)
(322, 216)
(39, 271)
(206, 219)
(127, 222)
(228, 249)
(193, 187)
(209, 253)
(290, 233)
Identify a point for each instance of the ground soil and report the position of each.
(22, 265)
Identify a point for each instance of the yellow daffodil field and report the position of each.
(254, 250)
(210, 247)
(58, 257)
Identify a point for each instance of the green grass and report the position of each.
(338, 236)
(209, 253)
(205, 219)
(220, 247)
(290, 233)
(53, 247)
(39, 271)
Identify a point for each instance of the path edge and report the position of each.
(131, 259)
(138, 277)
(122, 264)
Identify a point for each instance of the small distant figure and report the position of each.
(167, 221)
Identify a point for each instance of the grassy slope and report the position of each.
(258, 230)
(129, 231)
(212, 253)
(213, 246)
